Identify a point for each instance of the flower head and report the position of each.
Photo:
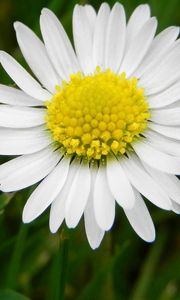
(99, 124)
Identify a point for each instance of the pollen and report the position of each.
(94, 115)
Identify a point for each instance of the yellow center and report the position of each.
(94, 115)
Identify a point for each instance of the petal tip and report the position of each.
(76, 7)
(52, 225)
(2, 53)
(17, 24)
(151, 239)
(45, 10)
(150, 235)
(154, 21)
(53, 229)
(25, 218)
(93, 246)
(70, 223)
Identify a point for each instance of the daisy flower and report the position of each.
(99, 125)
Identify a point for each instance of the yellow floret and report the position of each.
(96, 114)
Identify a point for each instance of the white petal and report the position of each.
(141, 180)
(21, 117)
(160, 46)
(91, 15)
(137, 20)
(163, 143)
(78, 196)
(104, 203)
(163, 74)
(139, 47)
(169, 183)
(175, 105)
(22, 78)
(57, 213)
(140, 219)
(28, 169)
(99, 39)
(166, 116)
(175, 207)
(157, 159)
(23, 141)
(115, 40)
(10, 95)
(93, 232)
(119, 184)
(168, 96)
(172, 132)
(46, 192)
(58, 45)
(83, 39)
(35, 54)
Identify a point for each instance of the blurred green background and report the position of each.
(38, 265)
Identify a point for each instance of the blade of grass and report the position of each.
(11, 295)
(90, 291)
(59, 269)
(148, 269)
(15, 261)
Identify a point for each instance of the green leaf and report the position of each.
(11, 295)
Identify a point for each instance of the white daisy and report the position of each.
(101, 125)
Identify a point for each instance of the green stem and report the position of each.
(59, 270)
(16, 257)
